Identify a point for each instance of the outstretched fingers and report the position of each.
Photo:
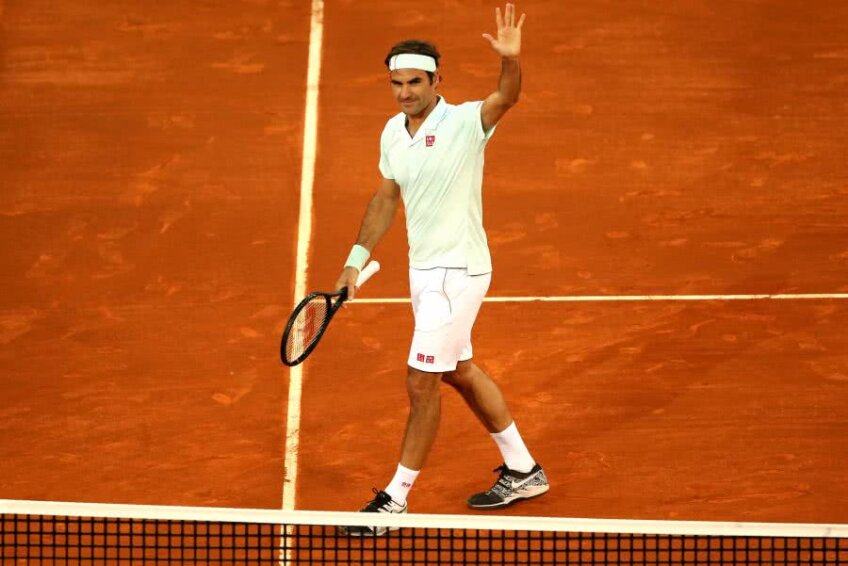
(509, 30)
(507, 19)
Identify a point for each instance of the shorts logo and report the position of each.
(425, 359)
(430, 140)
(430, 360)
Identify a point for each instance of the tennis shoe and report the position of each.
(511, 487)
(382, 503)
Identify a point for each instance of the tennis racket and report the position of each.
(312, 316)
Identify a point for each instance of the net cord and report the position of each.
(424, 521)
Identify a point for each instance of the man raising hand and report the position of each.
(431, 157)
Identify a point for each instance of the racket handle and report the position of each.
(366, 273)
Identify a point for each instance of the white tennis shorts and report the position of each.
(445, 302)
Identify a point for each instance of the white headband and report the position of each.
(412, 61)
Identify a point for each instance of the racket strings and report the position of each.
(307, 327)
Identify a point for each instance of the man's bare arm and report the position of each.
(499, 102)
(508, 46)
(379, 214)
(378, 218)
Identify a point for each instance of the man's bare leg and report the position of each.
(521, 477)
(423, 421)
(481, 394)
(422, 425)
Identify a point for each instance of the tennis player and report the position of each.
(431, 157)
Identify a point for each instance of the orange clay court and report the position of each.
(151, 177)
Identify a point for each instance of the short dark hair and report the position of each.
(416, 46)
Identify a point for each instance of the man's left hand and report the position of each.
(508, 42)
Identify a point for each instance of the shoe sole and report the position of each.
(511, 501)
(344, 531)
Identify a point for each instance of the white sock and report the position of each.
(400, 485)
(514, 452)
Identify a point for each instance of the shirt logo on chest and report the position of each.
(430, 140)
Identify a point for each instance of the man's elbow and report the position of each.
(507, 100)
(388, 200)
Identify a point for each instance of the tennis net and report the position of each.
(83, 533)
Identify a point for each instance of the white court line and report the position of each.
(304, 235)
(627, 298)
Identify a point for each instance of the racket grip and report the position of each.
(367, 271)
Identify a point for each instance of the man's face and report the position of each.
(413, 90)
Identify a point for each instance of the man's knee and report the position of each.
(461, 377)
(422, 386)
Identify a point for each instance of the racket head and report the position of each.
(307, 325)
(311, 317)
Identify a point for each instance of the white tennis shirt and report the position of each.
(440, 173)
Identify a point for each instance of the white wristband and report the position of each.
(357, 258)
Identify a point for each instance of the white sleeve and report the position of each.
(385, 168)
(472, 112)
